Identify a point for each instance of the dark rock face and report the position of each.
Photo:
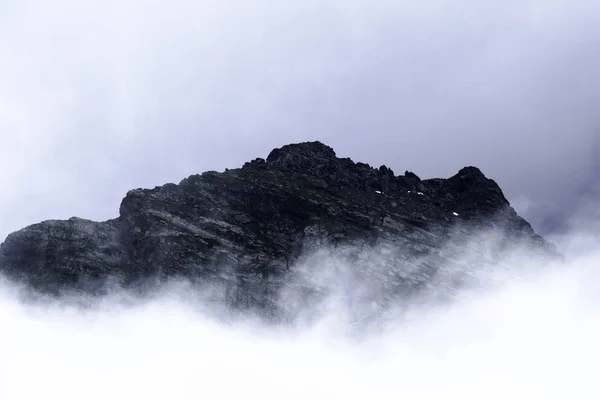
(249, 230)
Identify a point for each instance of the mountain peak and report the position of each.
(247, 230)
(302, 156)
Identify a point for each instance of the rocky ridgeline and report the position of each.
(254, 231)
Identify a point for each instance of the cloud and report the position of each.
(533, 336)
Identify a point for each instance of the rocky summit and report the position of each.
(301, 221)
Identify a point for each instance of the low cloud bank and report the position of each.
(534, 336)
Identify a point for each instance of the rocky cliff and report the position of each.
(253, 231)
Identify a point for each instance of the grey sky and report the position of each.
(100, 97)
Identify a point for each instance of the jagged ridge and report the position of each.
(246, 228)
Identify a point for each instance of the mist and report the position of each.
(534, 335)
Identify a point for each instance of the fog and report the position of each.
(533, 336)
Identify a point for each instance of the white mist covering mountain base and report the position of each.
(535, 336)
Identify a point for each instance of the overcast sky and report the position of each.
(98, 97)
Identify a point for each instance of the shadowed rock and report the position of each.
(249, 231)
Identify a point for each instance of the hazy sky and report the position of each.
(98, 97)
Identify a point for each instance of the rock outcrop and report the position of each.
(251, 231)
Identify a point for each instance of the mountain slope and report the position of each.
(248, 231)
